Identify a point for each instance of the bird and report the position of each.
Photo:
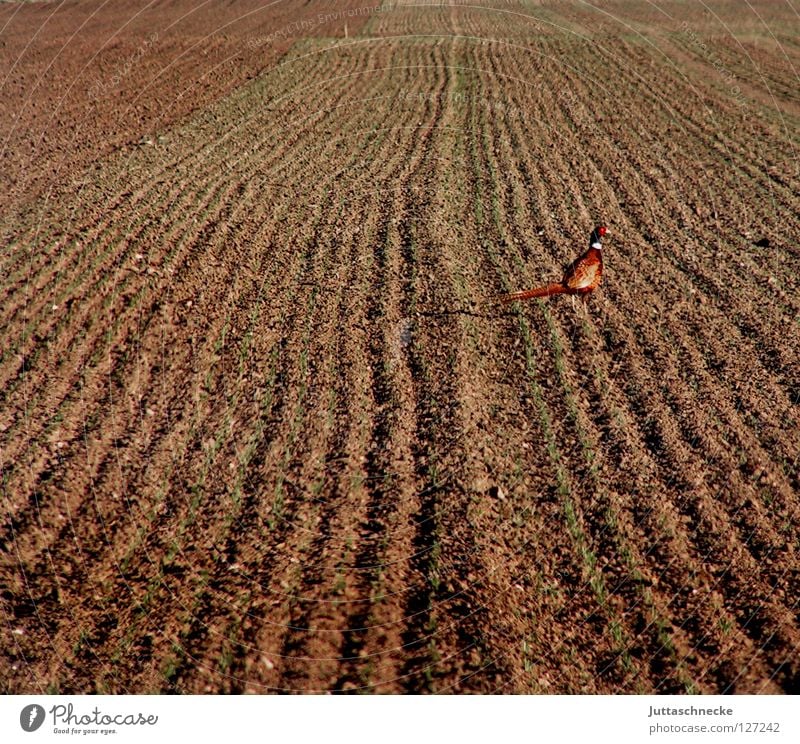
(581, 276)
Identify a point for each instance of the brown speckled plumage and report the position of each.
(581, 276)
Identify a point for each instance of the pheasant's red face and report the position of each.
(601, 231)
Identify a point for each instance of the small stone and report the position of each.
(497, 492)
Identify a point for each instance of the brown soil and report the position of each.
(262, 426)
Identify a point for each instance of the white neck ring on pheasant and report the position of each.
(595, 241)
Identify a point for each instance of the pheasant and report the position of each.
(581, 277)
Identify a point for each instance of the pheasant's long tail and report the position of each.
(550, 289)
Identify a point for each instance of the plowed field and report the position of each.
(263, 426)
